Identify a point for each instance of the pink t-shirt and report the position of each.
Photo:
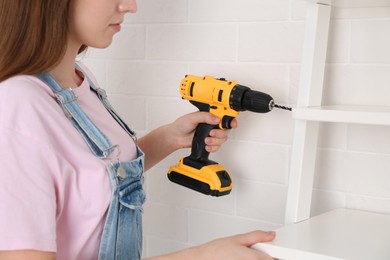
(54, 193)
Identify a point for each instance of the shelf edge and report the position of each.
(344, 114)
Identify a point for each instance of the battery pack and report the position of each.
(211, 179)
(195, 185)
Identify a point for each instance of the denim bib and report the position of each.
(122, 232)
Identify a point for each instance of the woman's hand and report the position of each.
(228, 248)
(166, 139)
(184, 129)
(236, 247)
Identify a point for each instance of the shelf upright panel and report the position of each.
(310, 94)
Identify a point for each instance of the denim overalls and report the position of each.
(122, 233)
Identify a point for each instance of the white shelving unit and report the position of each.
(343, 233)
(335, 235)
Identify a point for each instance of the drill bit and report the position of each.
(283, 107)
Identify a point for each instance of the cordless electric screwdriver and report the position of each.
(224, 99)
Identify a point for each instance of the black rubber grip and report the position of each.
(198, 151)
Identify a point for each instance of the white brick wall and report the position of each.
(259, 44)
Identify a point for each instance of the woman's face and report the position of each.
(94, 22)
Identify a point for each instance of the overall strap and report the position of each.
(96, 140)
(101, 93)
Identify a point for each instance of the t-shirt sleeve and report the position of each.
(27, 193)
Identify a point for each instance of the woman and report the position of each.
(71, 175)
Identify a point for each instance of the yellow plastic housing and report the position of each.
(209, 90)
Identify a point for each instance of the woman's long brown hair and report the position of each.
(33, 35)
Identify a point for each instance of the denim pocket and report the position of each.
(132, 195)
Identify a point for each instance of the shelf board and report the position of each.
(353, 3)
(335, 235)
(373, 115)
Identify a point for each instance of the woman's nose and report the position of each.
(128, 6)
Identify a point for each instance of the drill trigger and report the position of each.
(226, 122)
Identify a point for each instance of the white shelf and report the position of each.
(374, 115)
(338, 234)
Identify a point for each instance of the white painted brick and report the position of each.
(271, 42)
(370, 41)
(360, 12)
(145, 78)
(165, 221)
(333, 135)
(359, 85)
(324, 201)
(361, 173)
(97, 67)
(254, 161)
(373, 204)
(131, 109)
(244, 10)
(338, 42)
(205, 42)
(204, 226)
(167, 11)
(161, 190)
(375, 139)
(298, 9)
(261, 201)
(128, 44)
(273, 127)
(294, 78)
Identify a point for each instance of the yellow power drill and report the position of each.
(224, 99)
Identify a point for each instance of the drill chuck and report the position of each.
(243, 98)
